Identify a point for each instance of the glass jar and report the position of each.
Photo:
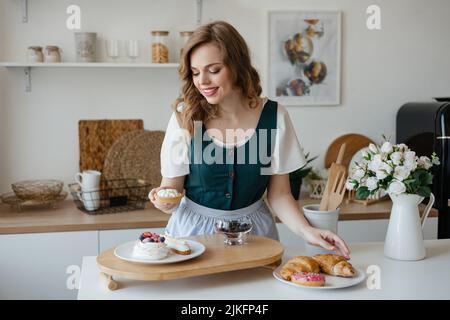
(52, 54)
(35, 54)
(184, 37)
(160, 48)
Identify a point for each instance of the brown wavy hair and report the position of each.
(236, 57)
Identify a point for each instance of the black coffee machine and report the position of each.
(425, 128)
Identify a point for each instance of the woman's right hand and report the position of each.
(163, 206)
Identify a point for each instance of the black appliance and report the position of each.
(425, 128)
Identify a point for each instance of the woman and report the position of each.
(226, 146)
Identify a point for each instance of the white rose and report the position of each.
(372, 183)
(401, 173)
(373, 148)
(411, 165)
(409, 155)
(403, 147)
(387, 147)
(381, 174)
(358, 174)
(424, 162)
(396, 157)
(396, 187)
(375, 163)
(386, 166)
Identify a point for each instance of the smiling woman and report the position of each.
(221, 92)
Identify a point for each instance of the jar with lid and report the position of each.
(34, 54)
(160, 48)
(52, 54)
(184, 37)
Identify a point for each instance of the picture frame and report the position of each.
(304, 61)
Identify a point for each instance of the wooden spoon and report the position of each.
(335, 169)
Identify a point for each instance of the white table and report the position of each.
(426, 279)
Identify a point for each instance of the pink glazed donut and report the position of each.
(309, 279)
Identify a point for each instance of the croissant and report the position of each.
(299, 264)
(334, 265)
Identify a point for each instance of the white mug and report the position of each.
(89, 180)
(90, 199)
(327, 220)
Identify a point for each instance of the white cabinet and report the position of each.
(34, 266)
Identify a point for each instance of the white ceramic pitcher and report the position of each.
(404, 238)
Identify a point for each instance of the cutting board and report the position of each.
(355, 142)
(97, 136)
(218, 257)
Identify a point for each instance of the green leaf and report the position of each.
(427, 179)
(424, 191)
(362, 193)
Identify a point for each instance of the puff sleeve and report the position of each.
(288, 154)
(175, 150)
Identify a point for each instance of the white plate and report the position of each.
(125, 252)
(331, 282)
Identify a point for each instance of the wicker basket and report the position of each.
(38, 189)
(116, 195)
(317, 187)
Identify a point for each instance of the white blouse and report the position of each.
(288, 154)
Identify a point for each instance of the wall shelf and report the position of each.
(87, 65)
(27, 67)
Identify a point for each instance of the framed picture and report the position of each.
(305, 57)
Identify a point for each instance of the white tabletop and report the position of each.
(425, 279)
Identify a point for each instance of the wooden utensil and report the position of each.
(354, 142)
(337, 191)
(218, 257)
(334, 173)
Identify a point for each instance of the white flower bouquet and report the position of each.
(393, 168)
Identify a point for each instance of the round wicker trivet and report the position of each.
(111, 167)
(141, 158)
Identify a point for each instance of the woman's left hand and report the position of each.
(327, 240)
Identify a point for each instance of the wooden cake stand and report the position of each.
(218, 257)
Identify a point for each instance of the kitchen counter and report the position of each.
(425, 279)
(66, 217)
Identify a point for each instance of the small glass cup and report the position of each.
(133, 49)
(113, 49)
(235, 231)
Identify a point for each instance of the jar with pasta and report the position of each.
(160, 49)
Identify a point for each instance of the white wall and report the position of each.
(406, 61)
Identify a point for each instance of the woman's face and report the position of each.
(211, 77)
